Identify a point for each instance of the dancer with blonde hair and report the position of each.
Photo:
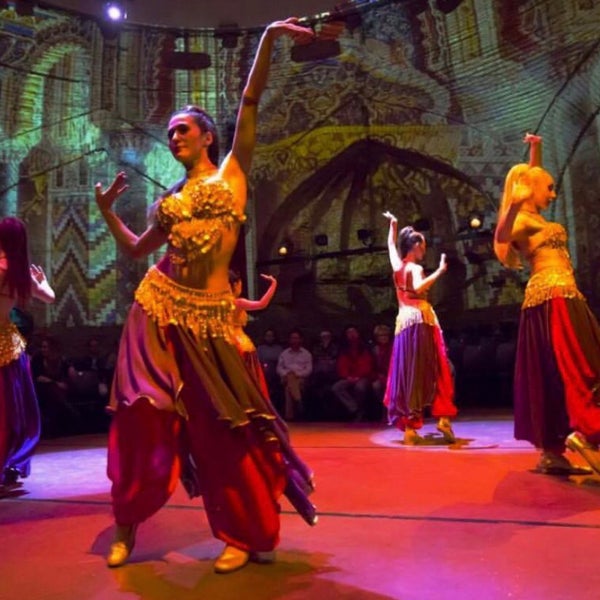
(557, 371)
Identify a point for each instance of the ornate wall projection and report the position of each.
(421, 112)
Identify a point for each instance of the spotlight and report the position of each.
(285, 248)
(115, 11)
(321, 239)
(475, 221)
(365, 236)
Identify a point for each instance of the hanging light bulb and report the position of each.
(115, 11)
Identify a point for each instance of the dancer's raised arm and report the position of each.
(244, 138)
(264, 301)
(395, 260)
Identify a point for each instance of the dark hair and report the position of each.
(206, 123)
(345, 344)
(408, 239)
(13, 241)
(234, 276)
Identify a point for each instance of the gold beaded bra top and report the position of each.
(554, 280)
(195, 217)
(553, 236)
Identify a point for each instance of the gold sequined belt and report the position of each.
(12, 345)
(548, 284)
(417, 314)
(206, 314)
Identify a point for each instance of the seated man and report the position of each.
(356, 369)
(294, 366)
(324, 375)
(382, 352)
(49, 370)
(89, 383)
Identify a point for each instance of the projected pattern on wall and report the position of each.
(456, 90)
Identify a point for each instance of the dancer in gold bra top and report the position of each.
(185, 406)
(557, 372)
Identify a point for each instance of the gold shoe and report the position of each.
(445, 428)
(556, 464)
(123, 545)
(411, 437)
(231, 559)
(577, 443)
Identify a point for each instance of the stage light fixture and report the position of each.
(285, 248)
(365, 236)
(228, 34)
(321, 239)
(115, 11)
(475, 221)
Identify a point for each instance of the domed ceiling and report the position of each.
(202, 13)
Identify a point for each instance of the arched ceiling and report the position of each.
(202, 13)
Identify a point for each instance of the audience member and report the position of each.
(50, 377)
(356, 370)
(319, 403)
(294, 366)
(382, 352)
(89, 384)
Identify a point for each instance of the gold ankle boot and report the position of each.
(231, 559)
(445, 428)
(411, 437)
(122, 546)
(577, 442)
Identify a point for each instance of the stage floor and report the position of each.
(469, 521)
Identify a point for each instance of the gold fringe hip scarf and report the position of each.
(12, 345)
(205, 314)
(550, 283)
(415, 314)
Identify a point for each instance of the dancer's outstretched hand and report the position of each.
(105, 199)
(292, 28)
(532, 138)
(443, 263)
(268, 278)
(388, 215)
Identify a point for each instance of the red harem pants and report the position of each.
(241, 475)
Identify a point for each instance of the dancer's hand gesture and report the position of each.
(388, 215)
(105, 199)
(292, 28)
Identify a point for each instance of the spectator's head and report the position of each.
(382, 335)
(295, 339)
(93, 346)
(269, 337)
(351, 335)
(48, 347)
(325, 337)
